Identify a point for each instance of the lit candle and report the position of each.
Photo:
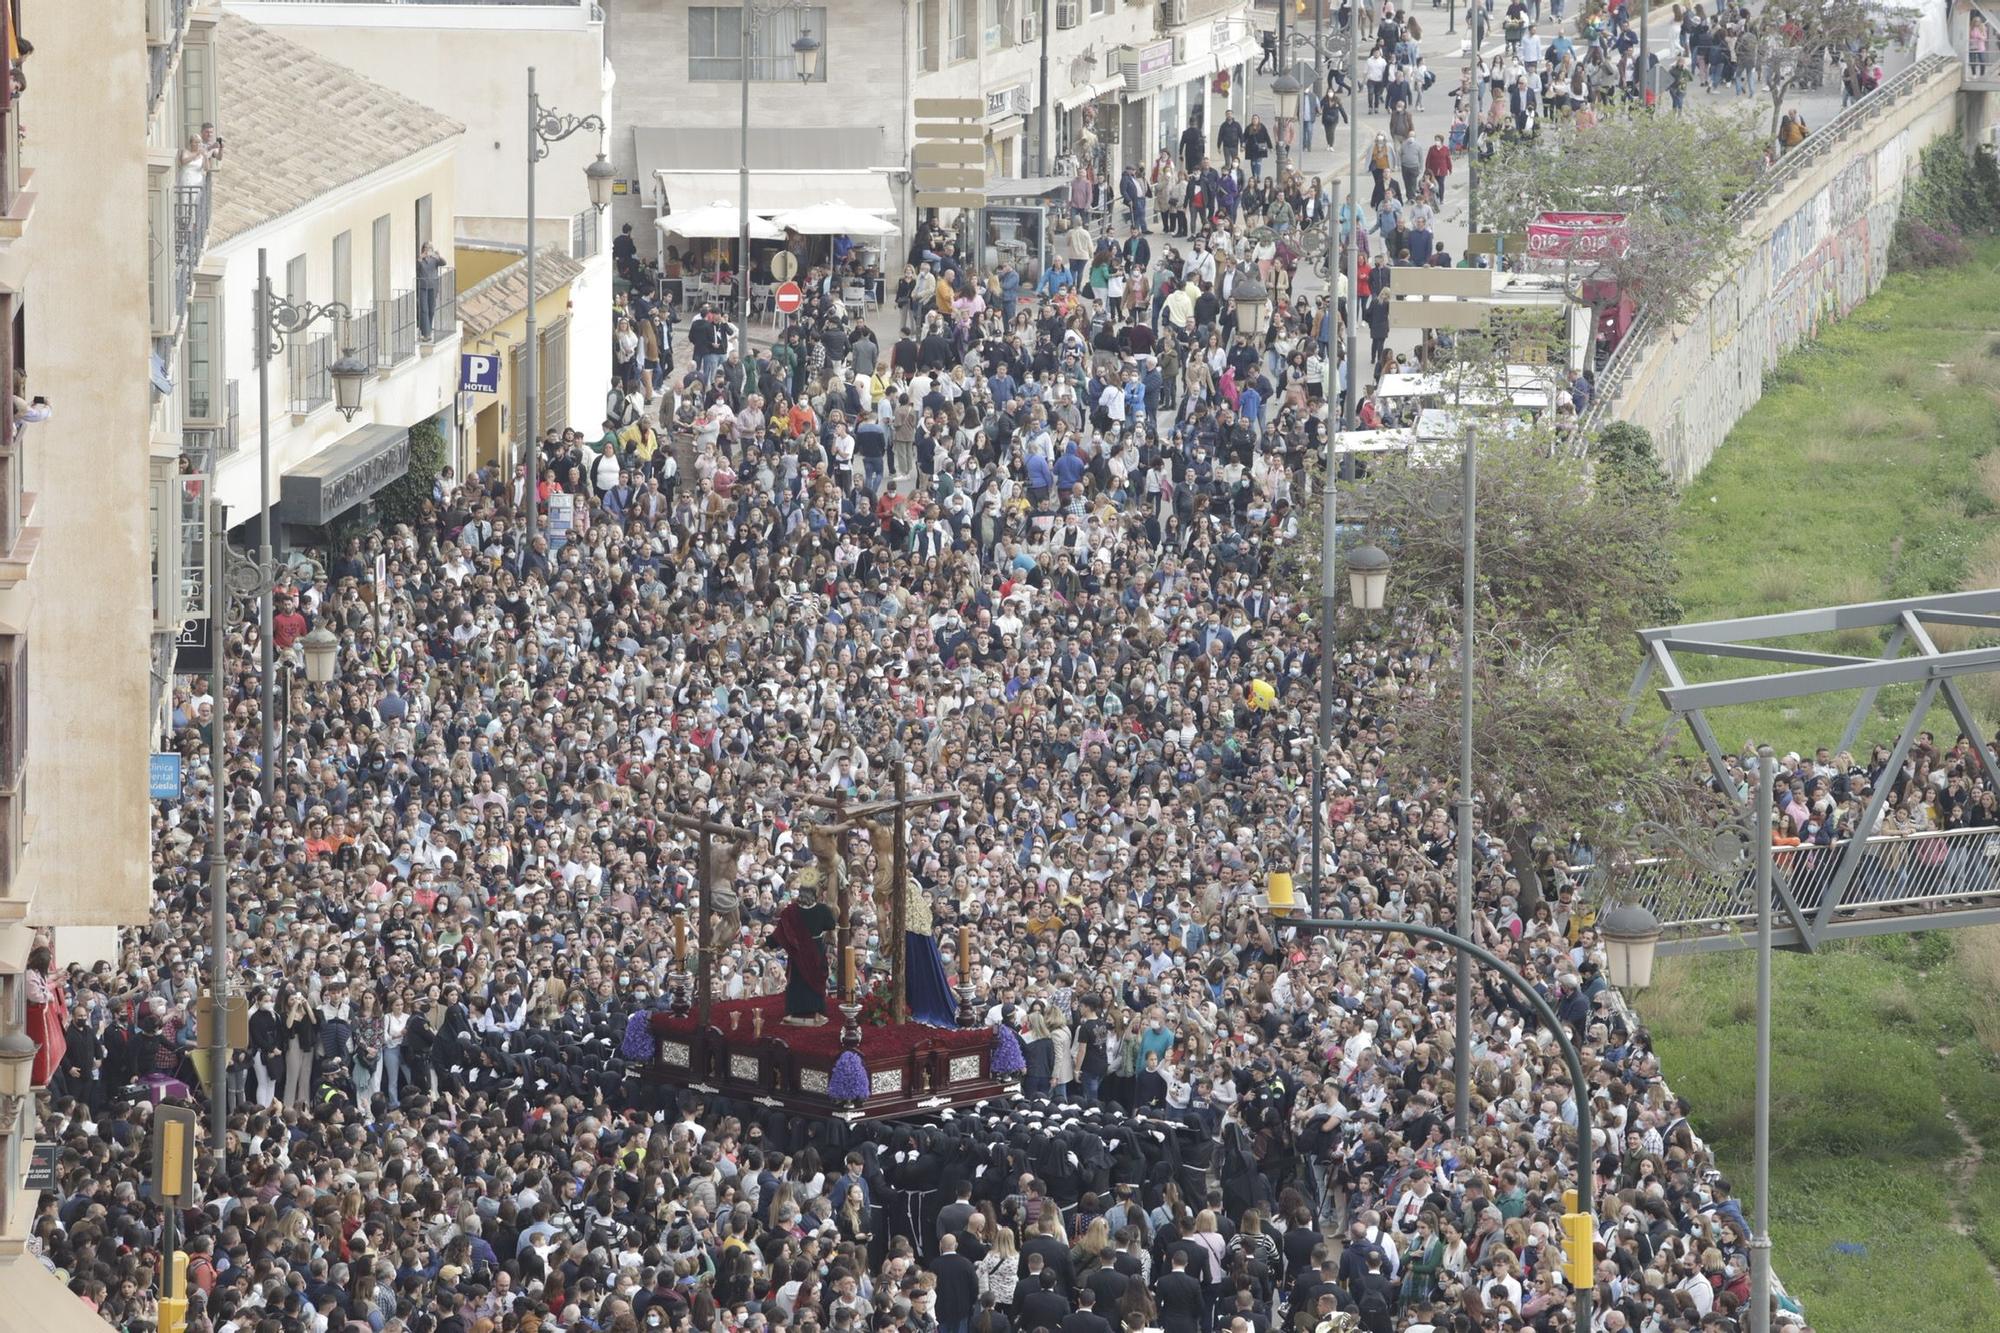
(1278, 887)
(847, 970)
(680, 937)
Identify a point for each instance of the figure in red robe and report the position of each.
(798, 931)
(47, 1008)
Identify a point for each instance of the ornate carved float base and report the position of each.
(749, 1052)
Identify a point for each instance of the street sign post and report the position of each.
(787, 298)
(562, 519)
(1498, 244)
(784, 266)
(478, 373)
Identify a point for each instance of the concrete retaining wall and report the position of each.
(1818, 243)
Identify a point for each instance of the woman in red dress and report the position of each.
(47, 1007)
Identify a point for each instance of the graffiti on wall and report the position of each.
(1807, 270)
(1822, 287)
(1844, 200)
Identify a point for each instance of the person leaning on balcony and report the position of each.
(430, 267)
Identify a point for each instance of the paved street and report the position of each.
(1446, 53)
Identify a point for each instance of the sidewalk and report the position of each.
(1446, 53)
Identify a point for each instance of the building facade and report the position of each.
(469, 61)
(340, 182)
(79, 250)
(1123, 80)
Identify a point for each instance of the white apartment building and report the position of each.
(1124, 77)
(340, 181)
(469, 60)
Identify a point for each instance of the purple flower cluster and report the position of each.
(638, 1043)
(1007, 1057)
(849, 1080)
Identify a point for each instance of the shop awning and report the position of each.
(774, 192)
(1090, 92)
(343, 474)
(1244, 50)
(1025, 187)
(789, 167)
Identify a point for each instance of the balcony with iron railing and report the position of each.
(310, 361)
(396, 330)
(1980, 52)
(358, 334)
(437, 312)
(16, 201)
(166, 24)
(192, 204)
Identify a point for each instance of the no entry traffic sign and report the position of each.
(787, 298)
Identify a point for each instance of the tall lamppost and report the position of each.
(547, 127)
(1631, 933)
(1349, 403)
(1285, 89)
(1367, 587)
(1577, 1227)
(805, 57)
(277, 318)
(229, 582)
(1462, 1037)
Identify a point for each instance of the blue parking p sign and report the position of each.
(478, 373)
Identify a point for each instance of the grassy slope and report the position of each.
(1856, 477)
(1859, 476)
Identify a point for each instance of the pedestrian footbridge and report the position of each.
(1878, 886)
(1886, 883)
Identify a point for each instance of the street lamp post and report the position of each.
(1474, 11)
(1348, 402)
(1462, 1039)
(1631, 933)
(277, 318)
(546, 128)
(1760, 1243)
(805, 57)
(1368, 581)
(1285, 89)
(1586, 1293)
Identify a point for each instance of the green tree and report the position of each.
(1573, 544)
(1563, 543)
(1673, 177)
(403, 499)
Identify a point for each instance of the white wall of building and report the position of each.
(867, 50)
(877, 65)
(413, 391)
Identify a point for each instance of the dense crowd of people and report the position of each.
(1023, 530)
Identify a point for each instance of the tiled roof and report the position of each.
(298, 126)
(491, 302)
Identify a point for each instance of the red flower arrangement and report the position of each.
(875, 1006)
